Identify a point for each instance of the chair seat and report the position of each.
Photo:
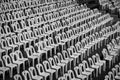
(38, 77)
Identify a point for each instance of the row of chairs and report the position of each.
(16, 5)
(89, 69)
(112, 5)
(114, 74)
(116, 28)
(32, 11)
(24, 24)
(61, 57)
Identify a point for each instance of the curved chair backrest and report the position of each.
(77, 71)
(60, 56)
(18, 77)
(46, 65)
(40, 68)
(111, 76)
(32, 71)
(52, 61)
(67, 76)
(26, 75)
(57, 60)
(71, 74)
(85, 64)
(7, 60)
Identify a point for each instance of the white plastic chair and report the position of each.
(48, 69)
(20, 64)
(34, 74)
(8, 63)
(41, 71)
(92, 65)
(54, 66)
(59, 63)
(79, 75)
(107, 57)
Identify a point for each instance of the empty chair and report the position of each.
(87, 68)
(92, 65)
(18, 77)
(50, 70)
(67, 62)
(84, 72)
(112, 52)
(107, 57)
(22, 59)
(34, 74)
(8, 63)
(5, 46)
(33, 59)
(59, 63)
(41, 71)
(72, 75)
(10, 44)
(54, 66)
(111, 75)
(20, 64)
(117, 77)
(101, 61)
(97, 63)
(79, 74)
(70, 59)
(5, 71)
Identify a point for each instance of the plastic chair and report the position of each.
(79, 74)
(22, 40)
(112, 52)
(41, 71)
(4, 70)
(16, 41)
(8, 63)
(20, 64)
(62, 65)
(54, 66)
(41, 51)
(10, 44)
(111, 76)
(5, 46)
(67, 57)
(117, 77)
(77, 46)
(33, 59)
(101, 61)
(72, 75)
(92, 65)
(73, 55)
(84, 72)
(87, 68)
(48, 69)
(34, 75)
(67, 62)
(22, 59)
(107, 57)
(97, 63)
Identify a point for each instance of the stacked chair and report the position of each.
(56, 40)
